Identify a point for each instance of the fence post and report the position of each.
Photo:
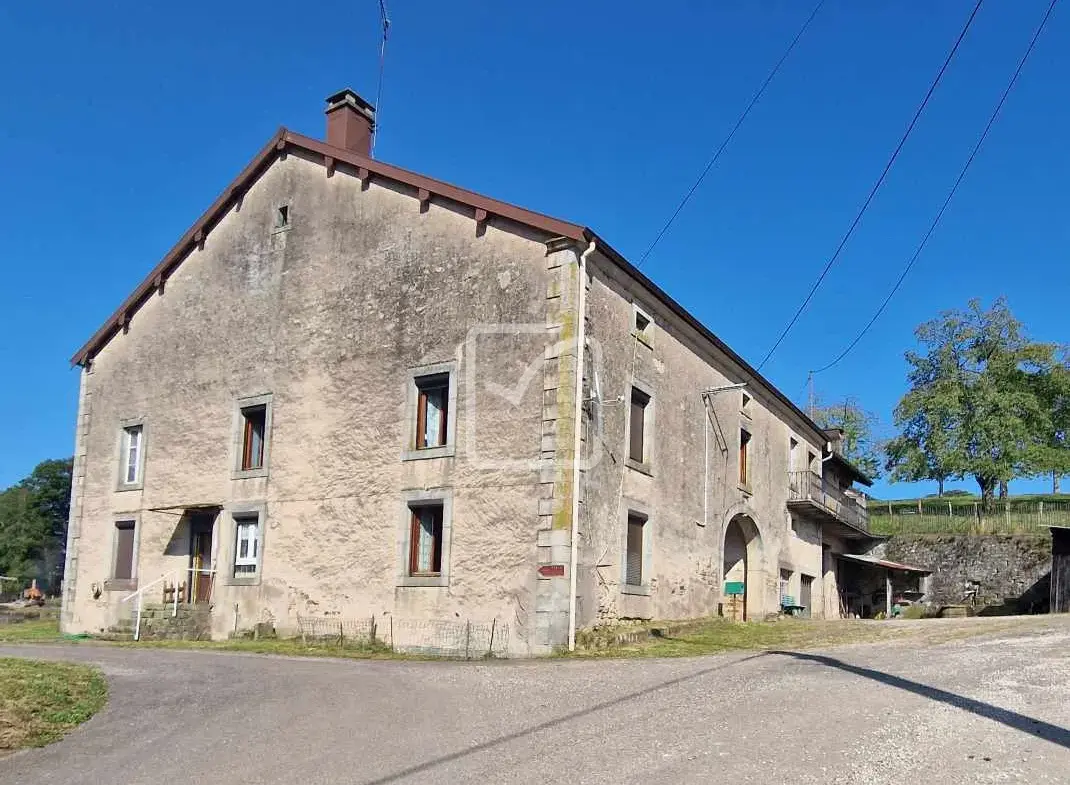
(341, 635)
(373, 630)
(493, 623)
(391, 632)
(467, 637)
(919, 506)
(950, 514)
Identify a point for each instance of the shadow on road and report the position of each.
(1011, 719)
(488, 745)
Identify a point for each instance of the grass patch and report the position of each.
(41, 701)
(720, 635)
(31, 631)
(289, 647)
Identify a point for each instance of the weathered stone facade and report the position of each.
(321, 292)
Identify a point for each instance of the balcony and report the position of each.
(812, 496)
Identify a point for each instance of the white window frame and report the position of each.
(238, 442)
(236, 516)
(126, 428)
(410, 452)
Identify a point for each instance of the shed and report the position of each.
(1060, 569)
(875, 579)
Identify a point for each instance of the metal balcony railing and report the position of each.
(809, 487)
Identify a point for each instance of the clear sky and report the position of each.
(121, 121)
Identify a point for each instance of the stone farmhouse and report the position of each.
(353, 391)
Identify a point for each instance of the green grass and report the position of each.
(41, 701)
(289, 647)
(31, 631)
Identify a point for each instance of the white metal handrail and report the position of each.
(140, 594)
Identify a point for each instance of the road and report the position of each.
(989, 709)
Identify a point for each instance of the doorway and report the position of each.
(742, 552)
(201, 573)
(806, 594)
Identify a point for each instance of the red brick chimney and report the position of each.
(350, 122)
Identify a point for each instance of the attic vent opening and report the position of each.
(282, 217)
(641, 322)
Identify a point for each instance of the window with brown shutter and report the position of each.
(633, 567)
(744, 457)
(124, 551)
(432, 410)
(637, 426)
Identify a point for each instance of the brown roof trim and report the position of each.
(193, 237)
(369, 167)
(705, 332)
(520, 215)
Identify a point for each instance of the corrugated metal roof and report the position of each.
(873, 560)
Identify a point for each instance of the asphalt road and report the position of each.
(983, 710)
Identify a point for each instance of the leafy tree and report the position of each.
(859, 443)
(979, 402)
(33, 523)
(1054, 388)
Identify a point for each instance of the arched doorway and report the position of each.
(743, 565)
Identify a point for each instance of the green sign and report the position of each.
(735, 588)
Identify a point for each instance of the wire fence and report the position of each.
(949, 517)
(457, 639)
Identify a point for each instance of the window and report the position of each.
(254, 428)
(637, 426)
(123, 569)
(633, 562)
(745, 404)
(425, 540)
(246, 545)
(642, 326)
(744, 458)
(811, 462)
(130, 468)
(282, 217)
(432, 410)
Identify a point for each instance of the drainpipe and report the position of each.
(581, 343)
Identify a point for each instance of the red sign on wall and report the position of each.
(552, 571)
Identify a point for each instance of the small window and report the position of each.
(811, 462)
(124, 551)
(637, 426)
(246, 546)
(425, 540)
(432, 410)
(744, 457)
(633, 567)
(132, 447)
(642, 325)
(254, 427)
(744, 405)
(282, 217)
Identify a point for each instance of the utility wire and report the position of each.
(951, 193)
(713, 160)
(876, 186)
(384, 19)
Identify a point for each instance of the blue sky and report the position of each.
(121, 121)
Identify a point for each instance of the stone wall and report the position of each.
(1003, 567)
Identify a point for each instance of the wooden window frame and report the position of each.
(247, 462)
(126, 429)
(639, 400)
(635, 521)
(745, 438)
(411, 502)
(415, 532)
(425, 384)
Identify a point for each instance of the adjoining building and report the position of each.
(1060, 569)
(352, 391)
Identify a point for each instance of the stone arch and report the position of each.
(743, 558)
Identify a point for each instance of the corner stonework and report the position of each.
(554, 542)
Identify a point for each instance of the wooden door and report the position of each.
(201, 561)
(806, 594)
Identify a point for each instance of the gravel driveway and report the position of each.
(983, 710)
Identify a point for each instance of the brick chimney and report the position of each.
(350, 122)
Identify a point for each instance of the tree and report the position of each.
(978, 403)
(33, 523)
(859, 444)
(1054, 388)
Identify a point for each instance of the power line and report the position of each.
(713, 160)
(384, 20)
(876, 186)
(951, 193)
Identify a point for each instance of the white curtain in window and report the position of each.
(433, 418)
(248, 543)
(426, 544)
(133, 447)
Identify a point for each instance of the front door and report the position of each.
(806, 595)
(201, 559)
